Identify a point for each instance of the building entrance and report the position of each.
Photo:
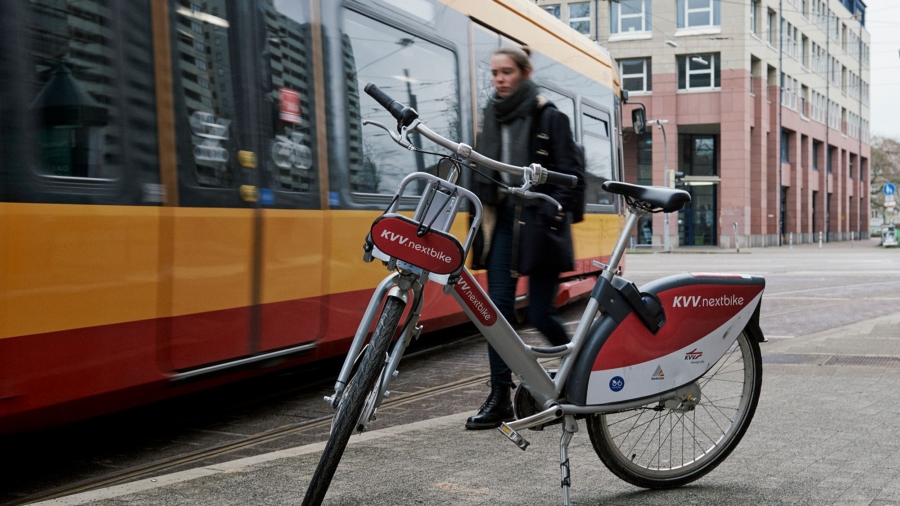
(698, 222)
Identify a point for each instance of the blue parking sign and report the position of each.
(889, 189)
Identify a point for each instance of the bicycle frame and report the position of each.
(652, 348)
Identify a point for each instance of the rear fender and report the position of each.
(624, 360)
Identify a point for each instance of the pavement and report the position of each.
(826, 431)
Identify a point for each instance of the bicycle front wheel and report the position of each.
(657, 447)
(353, 398)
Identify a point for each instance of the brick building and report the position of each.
(713, 70)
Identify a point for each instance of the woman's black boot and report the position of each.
(495, 410)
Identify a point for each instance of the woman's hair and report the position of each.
(519, 55)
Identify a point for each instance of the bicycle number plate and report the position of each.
(435, 251)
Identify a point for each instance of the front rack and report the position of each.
(410, 243)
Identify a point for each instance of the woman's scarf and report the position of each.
(514, 112)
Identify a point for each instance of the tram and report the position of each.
(186, 185)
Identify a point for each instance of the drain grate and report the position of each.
(857, 360)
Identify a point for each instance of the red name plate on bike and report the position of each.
(475, 299)
(435, 251)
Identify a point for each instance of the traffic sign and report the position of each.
(889, 203)
(889, 189)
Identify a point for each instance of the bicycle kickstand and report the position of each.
(570, 427)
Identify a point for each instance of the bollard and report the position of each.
(851, 239)
(791, 240)
(820, 239)
(736, 246)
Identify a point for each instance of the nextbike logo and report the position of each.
(617, 383)
(474, 299)
(403, 240)
(699, 301)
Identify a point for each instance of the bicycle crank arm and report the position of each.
(511, 429)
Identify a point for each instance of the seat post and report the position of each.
(619, 249)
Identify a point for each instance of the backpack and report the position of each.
(542, 141)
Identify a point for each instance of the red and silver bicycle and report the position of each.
(666, 377)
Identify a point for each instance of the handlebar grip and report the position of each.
(395, 108)
(560, 179)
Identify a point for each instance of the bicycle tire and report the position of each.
(624, 449)
(359, 387)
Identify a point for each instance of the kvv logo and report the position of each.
(427, 250)
(700, 301)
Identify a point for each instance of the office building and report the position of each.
(767, 113)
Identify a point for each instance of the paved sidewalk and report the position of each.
(825, 432)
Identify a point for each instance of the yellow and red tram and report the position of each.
(185, 185)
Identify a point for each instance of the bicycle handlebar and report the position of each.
(405, 117)
(403, 114)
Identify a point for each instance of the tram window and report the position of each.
(562, 102)
(91, 101)
(484, 43)
(409, 69)
(595, 135)
(292, 145)
(211, 152)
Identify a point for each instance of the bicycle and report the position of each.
(667, 378)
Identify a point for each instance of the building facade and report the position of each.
(766, 111)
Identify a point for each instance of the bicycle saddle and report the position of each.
(659, 197)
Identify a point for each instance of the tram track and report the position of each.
(160, 466)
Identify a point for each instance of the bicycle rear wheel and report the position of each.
(354, 396)
(657, 447)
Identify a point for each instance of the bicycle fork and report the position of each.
(391, 286)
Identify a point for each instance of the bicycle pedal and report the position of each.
(513, 436)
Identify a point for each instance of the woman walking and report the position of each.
(523, 237)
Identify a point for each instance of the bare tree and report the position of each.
(885, 167)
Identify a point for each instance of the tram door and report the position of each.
(245, 240)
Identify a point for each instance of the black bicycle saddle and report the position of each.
(662, 198)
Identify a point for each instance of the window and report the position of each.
(754, 13)
(698, 72)
(563, 103)
(597, 140)
(699, 13)
(645, 178)
(627, 16)
(804, 48)
(88, 113)
(785, 147)
(553, 10)
(815, 155)
(580, 17)
(770, 27)
(636, 74)
(292, 138)
(406, 67)
(804, 100)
